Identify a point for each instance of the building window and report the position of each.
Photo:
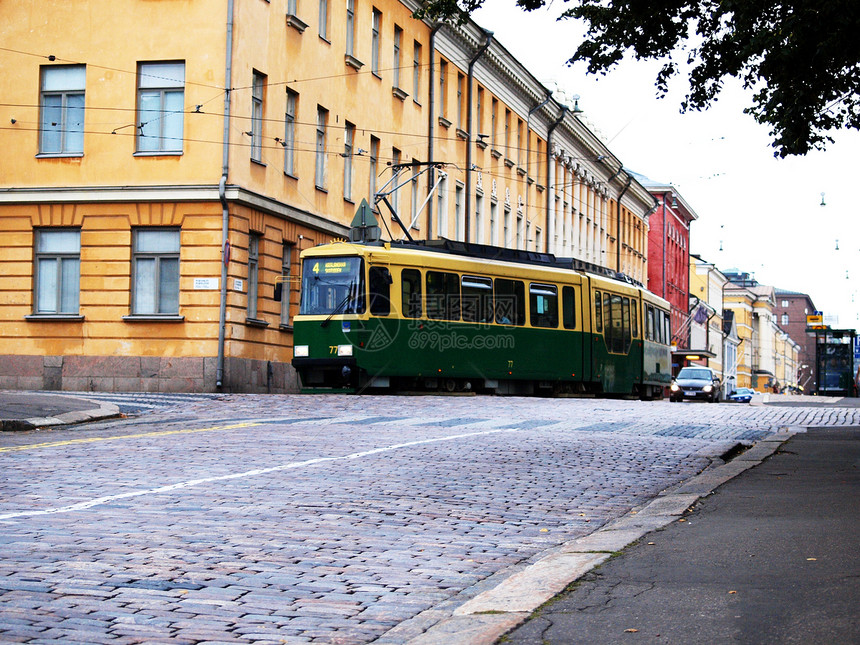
(348, 143)
(253, 273)
(398, 39)
(443, 89)
(323, 27)
(479, 110)
(350, 27)
(286, 271)
(160, 106)
(494, 216)
(62, 128)
(396, 158)
(508, 134)
(155, 268)
(415, 194)
(259, 82)
(479, 217)
(322, 122)
(290, 133)
(494, 110)
(461, 97)
(519, 142)
(374, 42)
(785, 303)
(442, 210)
(784, 319)
(416, 71)
(459, 205)
(58, 271)
(374, 167)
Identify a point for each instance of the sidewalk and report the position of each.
(29, 410)
(772, 556)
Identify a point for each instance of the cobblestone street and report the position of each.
(336, 519)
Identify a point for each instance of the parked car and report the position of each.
(695, 382)
(741, 395)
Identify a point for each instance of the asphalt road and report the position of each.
(337, 519)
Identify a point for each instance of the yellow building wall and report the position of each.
(110, 42)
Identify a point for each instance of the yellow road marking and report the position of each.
(142, 435)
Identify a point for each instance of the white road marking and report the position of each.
(98, 501)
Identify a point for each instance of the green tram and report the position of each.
(455, 317)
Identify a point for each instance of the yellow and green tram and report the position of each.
(454, 317)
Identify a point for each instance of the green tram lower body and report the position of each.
(352, 354)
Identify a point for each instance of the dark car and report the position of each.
(741, 395)
(695, 382)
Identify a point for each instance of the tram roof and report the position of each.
(502, 254)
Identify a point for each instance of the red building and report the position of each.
(669, 254)
(791, 311)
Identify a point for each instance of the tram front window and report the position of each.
(332, 286)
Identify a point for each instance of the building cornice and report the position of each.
(149, 194)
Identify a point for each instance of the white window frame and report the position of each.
(159, 257)
(416, 71)
(376, 24)
(348, 151)
(290, 133)
(65, 85)
(286, 272)
(320, 165)
(58, 292)
(257, 96)
(350, 27)
(323, 16)
(374, 167)
(161, 132)
(398, 42)
(254, 240)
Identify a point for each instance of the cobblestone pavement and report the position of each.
(336, 519)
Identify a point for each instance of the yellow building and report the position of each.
(767, 357)
(155, 188)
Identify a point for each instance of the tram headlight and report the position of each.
(300, 351)
(344, 350)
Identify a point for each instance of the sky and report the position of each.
(755, 213)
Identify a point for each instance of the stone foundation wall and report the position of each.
(144, 374)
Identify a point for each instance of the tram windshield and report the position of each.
(332, 285)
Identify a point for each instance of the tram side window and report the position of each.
(634, 318)
(667, 328)
(598, 312)
(380, 291)
(649, 323)
(443, 295)
(510, 298)
(568, 307)
(625, 328)
(617, 328)
(543, 305)
(410, 293)
(477, 294)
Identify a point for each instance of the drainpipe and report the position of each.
(618, 223)
(431, 131)
(550, 176)
(469, 79)
(222, 195)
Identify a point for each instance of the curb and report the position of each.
(489, 615)
(104, 411)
